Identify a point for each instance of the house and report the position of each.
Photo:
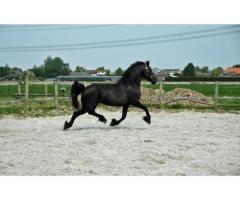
(162, 73)
(79, 73)
(101, 73)
(97, 72)
(92, 72)
(231, 71)
(15, 73)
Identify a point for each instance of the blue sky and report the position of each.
(215, 51)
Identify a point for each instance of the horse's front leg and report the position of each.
(115, 122)
(146, 118)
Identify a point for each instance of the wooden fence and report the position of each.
(160, 98)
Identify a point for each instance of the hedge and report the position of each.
(210, 79)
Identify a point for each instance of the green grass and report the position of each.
(41, 107)
(229, 104)
(180, 107)
(205, 89)
(12, 90)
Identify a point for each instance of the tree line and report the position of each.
(195, 71)
(53, 67)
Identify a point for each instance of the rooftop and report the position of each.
(233, 70)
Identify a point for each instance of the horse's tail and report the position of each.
(77, 89)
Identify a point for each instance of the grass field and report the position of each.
(41, 107)
(205, 89)
(224, 90)
(12, 90)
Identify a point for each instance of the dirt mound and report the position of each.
(186, 97)
(150, 96)
(177, 96)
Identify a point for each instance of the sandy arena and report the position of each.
(184, 143)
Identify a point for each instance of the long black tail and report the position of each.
(77, 88)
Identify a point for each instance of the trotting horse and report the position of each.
(124, 93)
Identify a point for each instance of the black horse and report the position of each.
(124, 93)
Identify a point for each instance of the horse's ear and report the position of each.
(148, 63)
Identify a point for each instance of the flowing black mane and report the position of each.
(133, 67)
(131, 71)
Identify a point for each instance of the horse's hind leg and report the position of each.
(74, 116)
(115, 122)
(100, 117)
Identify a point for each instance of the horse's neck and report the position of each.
(134, 82)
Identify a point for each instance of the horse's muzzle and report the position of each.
(153, 82)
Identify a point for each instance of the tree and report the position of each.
(38, 71)
(236, 66)
(80, 69)
(118, 71)
(202, 70)
(100, 69)
(217, 72)
(108, 72)
(30, 74)
(189, 70)
(197, 69)
(4, 72)
(55, 67)
(205, 69)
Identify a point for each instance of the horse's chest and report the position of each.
(134, 95)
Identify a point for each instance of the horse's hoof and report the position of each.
(147, 119)
(114, 122)
(66, 125)
(103, 120)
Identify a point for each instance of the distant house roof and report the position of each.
(172, 70)
(92, 71)
(88, 73)
(15, 72)
(165, 72)
(79, 74)
(233, 70)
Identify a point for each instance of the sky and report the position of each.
(220, 50)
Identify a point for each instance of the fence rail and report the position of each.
(56, 92)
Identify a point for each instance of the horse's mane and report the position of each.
(131, 70)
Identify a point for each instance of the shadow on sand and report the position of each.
(107, 128)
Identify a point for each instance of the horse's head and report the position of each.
(148, 73)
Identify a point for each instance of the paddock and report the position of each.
(176, 143)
